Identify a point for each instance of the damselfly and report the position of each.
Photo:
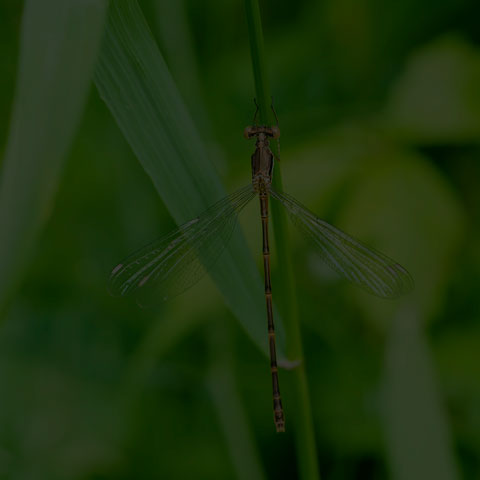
(176, 261)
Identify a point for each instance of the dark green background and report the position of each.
(379, 108)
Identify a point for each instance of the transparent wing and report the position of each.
(361, 265)
(175, 262)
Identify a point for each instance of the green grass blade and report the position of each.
(232, 417)
(298, 395)
(430, 217)
(257, 53)
(134, 82)
(58, 48)
(418, 436)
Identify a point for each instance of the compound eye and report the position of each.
(248, 132)
(275, 132)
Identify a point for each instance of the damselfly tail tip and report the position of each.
(279, 420)
(280, 426)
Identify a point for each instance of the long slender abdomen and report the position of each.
(277, 400)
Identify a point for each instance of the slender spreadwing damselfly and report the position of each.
(176, 261)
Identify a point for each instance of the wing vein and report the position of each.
(176, 261)
(371, 270)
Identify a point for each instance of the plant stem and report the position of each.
(300, 408)
(257, 51)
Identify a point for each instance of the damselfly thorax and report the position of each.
(262, 158)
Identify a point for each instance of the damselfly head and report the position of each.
(249, 132)
(273, 132)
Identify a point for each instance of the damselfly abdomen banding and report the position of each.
(176, 261)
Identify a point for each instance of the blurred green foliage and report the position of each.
(379, 108)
